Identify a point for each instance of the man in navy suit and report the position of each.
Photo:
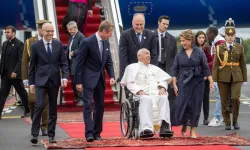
(136, 38)
(47, 58)
(93, 58)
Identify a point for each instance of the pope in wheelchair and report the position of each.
(149, 84)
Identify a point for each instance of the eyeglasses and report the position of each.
(48, 31)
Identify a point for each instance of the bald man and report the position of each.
(135, 38)
(46, 61)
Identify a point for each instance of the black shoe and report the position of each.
(205, 122)
(44, 132)
(0, 116)
(98, 138)
(146, 134)
(90, 139)
(165, 130)
(228, 127)
(236, 126)
(52, 140)
(34, 140)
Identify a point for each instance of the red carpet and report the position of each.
(92, 24)
(107, 107)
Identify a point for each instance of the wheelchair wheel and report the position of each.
(126, 119)
(135, 134)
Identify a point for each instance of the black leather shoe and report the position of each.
(90, 139)
(34, 140)
(98, 138)
(165, 130)
(228, 127)
(236, 126)
(205, 122)
(146, 134)
(52, 140)
(44, 132)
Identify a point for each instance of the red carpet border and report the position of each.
(232, 140)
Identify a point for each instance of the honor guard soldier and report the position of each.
(25, 66)
(229, 71)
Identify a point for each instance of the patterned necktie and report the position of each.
(101, 48)
(49, 50)
(138, 37)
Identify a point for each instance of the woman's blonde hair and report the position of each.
(188, 35)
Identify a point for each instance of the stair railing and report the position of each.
(112, 13)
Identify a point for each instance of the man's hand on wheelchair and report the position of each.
(162, 91)
(141, 92)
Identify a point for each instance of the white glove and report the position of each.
(26, 82)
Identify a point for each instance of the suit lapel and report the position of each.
(166, 45)
(4, 48)
(53, 49)
(143, 37)
(96, 47)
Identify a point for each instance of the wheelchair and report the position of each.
(129, 116)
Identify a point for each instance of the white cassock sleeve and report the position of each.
(163, 84)
(133, 87)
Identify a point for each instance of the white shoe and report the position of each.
(214, 122)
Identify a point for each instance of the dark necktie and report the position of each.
(138, 37)
(49, 50)
(162, 41)
(230, 48)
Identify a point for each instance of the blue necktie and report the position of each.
(101, 48)
(49, 50)
(138, 37)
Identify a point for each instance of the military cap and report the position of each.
(41, 22)
(230, 27)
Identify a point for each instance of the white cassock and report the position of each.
(148, 78)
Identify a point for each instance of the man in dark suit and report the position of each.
(167, 49)
(76, 37)
(93, 58)
(10, 69)
(47, 58)
(136, 38)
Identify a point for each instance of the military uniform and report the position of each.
(229, 71)
(25, 65)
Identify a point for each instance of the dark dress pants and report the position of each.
(6, 84)
(93, 127)
(206, 100)
(52, 92)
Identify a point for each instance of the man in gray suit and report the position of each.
(76, 38)
(136, 38)
(167, 49)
